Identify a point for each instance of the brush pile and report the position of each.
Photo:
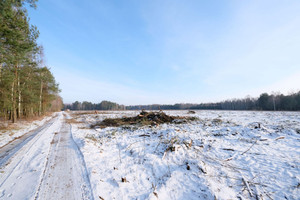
(142, 119)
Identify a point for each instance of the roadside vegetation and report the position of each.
(27, 87)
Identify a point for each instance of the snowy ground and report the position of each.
(48, 165)
(20, 175)
(9, 133)
(223, 155)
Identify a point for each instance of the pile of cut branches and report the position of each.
(142, 119)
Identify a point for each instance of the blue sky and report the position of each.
(170, 51)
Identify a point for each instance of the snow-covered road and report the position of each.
(46, 164)
(8, 150)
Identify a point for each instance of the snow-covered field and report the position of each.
(223, 155)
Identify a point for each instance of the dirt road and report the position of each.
(45, 164)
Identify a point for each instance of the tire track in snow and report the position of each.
(9, 150)
(54, 140)
(65, 175)
(8, 153)
(22, 170)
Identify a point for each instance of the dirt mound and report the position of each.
(144, 118)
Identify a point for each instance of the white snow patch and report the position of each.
(20, 128)
(232, 152)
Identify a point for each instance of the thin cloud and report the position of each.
(172, 51)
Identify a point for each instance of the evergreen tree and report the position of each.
(25, 88)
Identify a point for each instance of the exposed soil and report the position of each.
(143, 119)
(191, 112)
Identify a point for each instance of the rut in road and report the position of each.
(23, 161)
(8, 150)
(65, 175)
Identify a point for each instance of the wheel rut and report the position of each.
(65, 175)
(7, 151)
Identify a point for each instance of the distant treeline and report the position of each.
(104, 105)
(27, 87)
(263, 102)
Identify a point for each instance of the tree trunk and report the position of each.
(1, 72)
(5, 113)
(13, 110)
(1, 65)
(40, 106)
(19, 102)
